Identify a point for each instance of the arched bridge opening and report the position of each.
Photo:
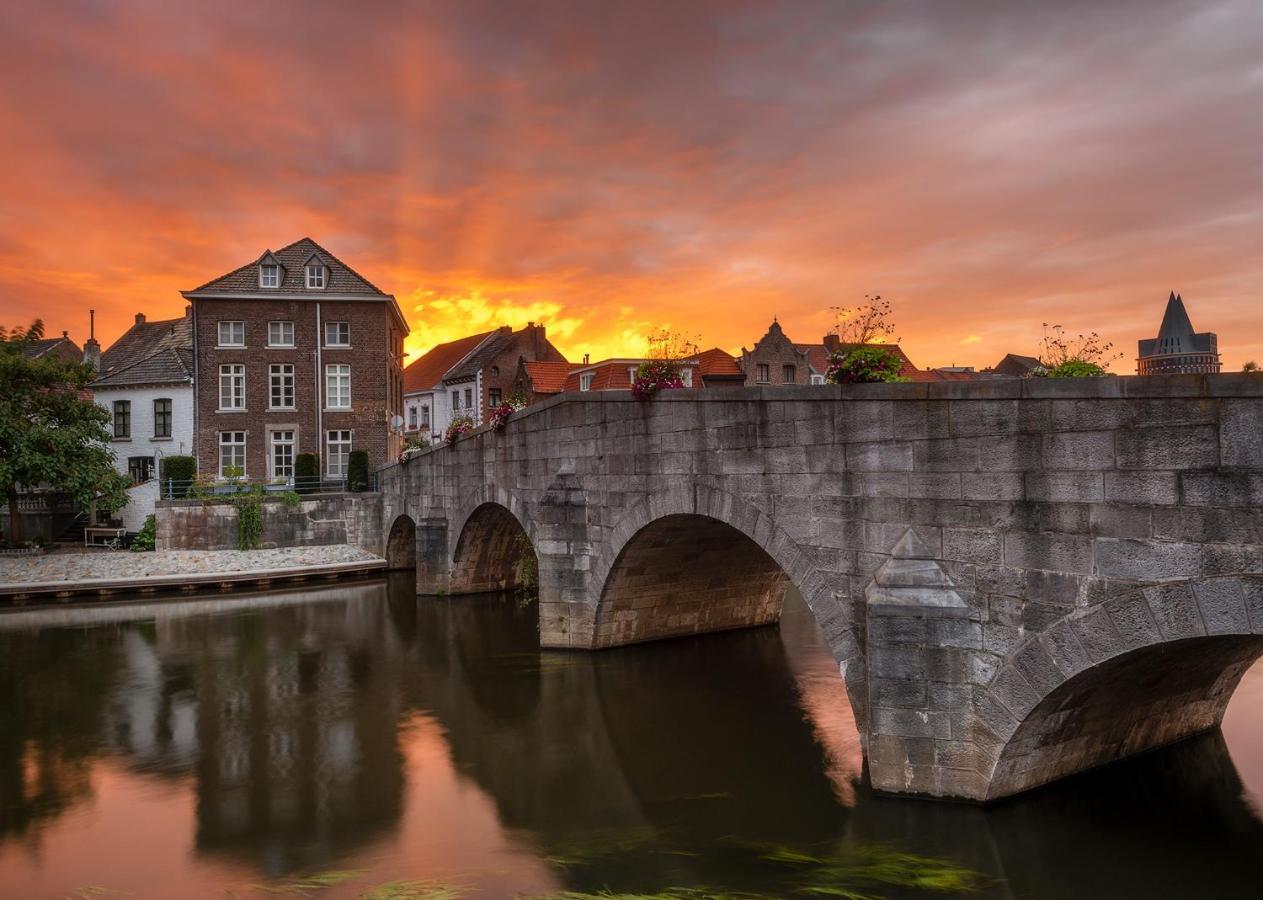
(687, 574)
(401, 544)
(493, 553)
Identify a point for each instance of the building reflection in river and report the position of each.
(364, 728)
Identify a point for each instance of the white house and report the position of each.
(146, 385)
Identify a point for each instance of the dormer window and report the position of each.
(269, 275)
(316, 276)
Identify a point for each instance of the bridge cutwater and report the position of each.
(1020, 579)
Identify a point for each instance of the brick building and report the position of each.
(775, 359)
(294, 353)
(538, 380)
(466, 377)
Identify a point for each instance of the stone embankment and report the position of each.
(106, 572)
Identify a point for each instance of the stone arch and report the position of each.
(401, 543)
(1148, 668)
(493, 551)
(765, 552)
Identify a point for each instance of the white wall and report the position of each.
(142, 442)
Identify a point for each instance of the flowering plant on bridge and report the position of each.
(653, 376)
(864, 365)
(500, 414)
(458, 426)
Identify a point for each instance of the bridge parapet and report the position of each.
(934, 529)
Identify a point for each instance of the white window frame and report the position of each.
(345, 438)
(316, 277)
(339, 328)
(238, 441)
(338, 386)
(276, 334)
(413, 418)
(585, 381)
(764, 370)
(455, 400)
(234, 340)
(686, 375)
(270, 275)
(233, 377)
(277, 440)
(277, 378)
(817, 379)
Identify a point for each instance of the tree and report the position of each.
(1084, 356)
(1250, 366)
(51, 433)
(867, 323)
(662, 371)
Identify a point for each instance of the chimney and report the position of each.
(188, 310)
(587, 357)
(91, 349)
(140, 318)
(65, 334)
(832, 343)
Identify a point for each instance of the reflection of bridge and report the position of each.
(1020, 579)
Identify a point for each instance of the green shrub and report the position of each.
(1076, 368)
(864, 365)
(178, 469)
(357, 471)
(147, 538)
(307, 473)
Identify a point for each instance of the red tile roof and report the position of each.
(426, 372)
(716, 363)
(549, 377)
(817, 356)
(608, 375)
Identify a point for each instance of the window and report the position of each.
(338, 387)
(232, 453)
(269, 276)
(338, 452)
(232, 334)
(425, 416)
(631, 374)
(140, 468)
(337, 334)
(762, 374)
(162, 418)
(282, 454)
(495, 371)
(122, 419)
(585, 381)
(455, 399)
(686, 376)
(232, 386)
(469, 398)
(788, 375)
(316, 276)
(493, 397)
(281, 382)
(817, 379)
(412, 418)
(280, 334)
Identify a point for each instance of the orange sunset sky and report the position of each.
(611, 167)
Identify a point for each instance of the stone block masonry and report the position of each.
(1019, 579)
(318, 521)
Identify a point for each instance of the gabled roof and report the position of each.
(718, 364)
(468, 367)
(149, 353)
(427, 372)
(549, 377)
(342, 279)
(62, 346)
(817, 356)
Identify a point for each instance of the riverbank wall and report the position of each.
(317, 521)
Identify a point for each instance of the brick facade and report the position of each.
(775, 360)
(376, 331)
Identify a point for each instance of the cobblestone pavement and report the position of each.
(124, 564)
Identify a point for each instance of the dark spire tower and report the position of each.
(1178, 349)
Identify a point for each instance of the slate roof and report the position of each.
(425, 373)
(1176, 334)
(1016, 365)
(549, 377)
(149, 353)
(342, 279)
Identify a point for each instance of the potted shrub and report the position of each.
(307, 473)
(357, 471)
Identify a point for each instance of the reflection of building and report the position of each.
(1177, 348)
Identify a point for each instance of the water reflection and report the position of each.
(388, 737)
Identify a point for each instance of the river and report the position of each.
(354, 740)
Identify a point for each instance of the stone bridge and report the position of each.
(1020, 580)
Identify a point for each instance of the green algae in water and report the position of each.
(309, 884)
(414, 890)
(855, 872)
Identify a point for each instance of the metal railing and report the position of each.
(210, 489)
